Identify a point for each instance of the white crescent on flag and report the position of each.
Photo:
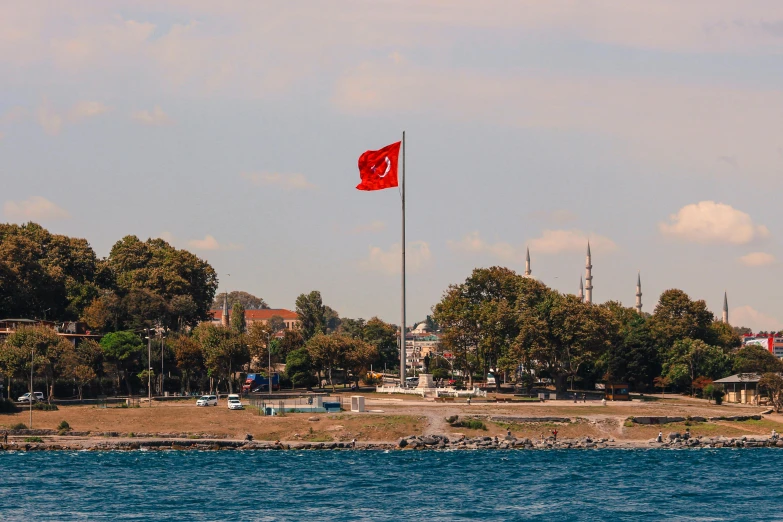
(388, 167)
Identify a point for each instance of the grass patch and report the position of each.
(63, 426)
(43, 406)
(471, 424)
(33, 439)
(18, 426)
(318, 436)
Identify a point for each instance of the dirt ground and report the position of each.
(392, 417)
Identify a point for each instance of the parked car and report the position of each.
(234, 403)
(37, 396)
(207, 400)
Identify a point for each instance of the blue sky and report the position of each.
(233, 130)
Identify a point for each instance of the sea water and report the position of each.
(609, 484)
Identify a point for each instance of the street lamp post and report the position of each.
(30, 398)
(269, 353)
(149, 367)
(162, 342)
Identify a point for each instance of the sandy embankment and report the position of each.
(392, 418)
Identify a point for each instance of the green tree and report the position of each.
(160, 269)
(83, 363)
(328, 352)
(312, 314)
(558, 334)
(124, 351)
(44, 274)
(224, 351)
(772, 383)
(249, 301)
(690, 358)
(359, 356)
(634, 357)
(331, 319)
(677, 317)
(190, 359)
(50, 351)
(299, 368)
(238, 323)
(276, 323)
(383, 336)
(354, 327)
(755, 359)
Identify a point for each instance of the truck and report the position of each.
(256, 382)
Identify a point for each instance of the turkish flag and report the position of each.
(378, 168)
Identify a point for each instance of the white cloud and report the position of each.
(285, 181)
(86, 109)
(52, 121)
(556, 241)
(154, 117)
(34, 209)
(757, 259)
(473, 243)
(753, 319)
(373, 226)
(710, 222)
(13, 115)
(210, 243)
(417, 258)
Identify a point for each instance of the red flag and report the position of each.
(378, 168)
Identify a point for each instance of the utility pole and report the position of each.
(32, 395)
(269, 353)
(162, 342)
(149, 367)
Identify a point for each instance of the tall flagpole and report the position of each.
(402, 324)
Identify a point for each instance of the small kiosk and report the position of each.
(617, 392)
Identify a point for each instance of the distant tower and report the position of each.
(588, 276)
(224, 319)
(527, 264)
(639, 294)
(725, 308)
(581, 294)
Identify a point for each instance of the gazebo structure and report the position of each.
(741, 388)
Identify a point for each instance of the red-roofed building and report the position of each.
(291, 319)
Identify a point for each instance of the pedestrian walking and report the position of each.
(554, 434)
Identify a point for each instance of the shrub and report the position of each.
(64, 426)
(18, 426)
(471, 424)
(33, 439)
(43, 406)
(8, 406)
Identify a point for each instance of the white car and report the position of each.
(37, 396)
(234, 403)
(207, 400)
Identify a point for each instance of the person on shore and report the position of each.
(687, 434)
(353, 443)
(660, 437)
(468, 401)
(603, 401)
(554, 434)
(774, 434)
(584, 397)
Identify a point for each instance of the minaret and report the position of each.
(725, 308)
(588, 276)
(224, 320)
(581, 294)
(638, 294)
(527, 264)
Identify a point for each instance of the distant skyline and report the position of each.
(233, 130)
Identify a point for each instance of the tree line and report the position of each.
(139, 284)
(501, 320)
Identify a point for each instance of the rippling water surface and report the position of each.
(369, 485)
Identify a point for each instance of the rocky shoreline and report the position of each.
(410, 443)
